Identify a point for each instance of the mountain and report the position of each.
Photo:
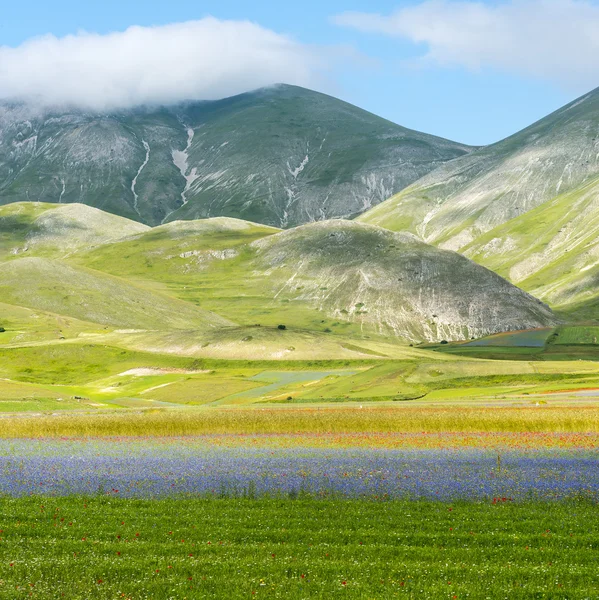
(279, 156)
(525, 207)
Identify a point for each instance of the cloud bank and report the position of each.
(205, 59)
(555, 40)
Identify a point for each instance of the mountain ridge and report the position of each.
(301, 156)
(340, 278)
(524, 207)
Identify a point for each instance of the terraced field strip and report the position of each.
(532, 338)
(398, 417)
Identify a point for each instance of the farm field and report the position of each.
(535, 338)
(563, 343)
(105, 548)
(132, 471)
(176, 421)
(83, 374)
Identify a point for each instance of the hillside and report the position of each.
(229, 284)
(280, 156)
(56, 287)
(393, 283)
(525, 207)
(337, 277)
(58, 229)
(551, 251)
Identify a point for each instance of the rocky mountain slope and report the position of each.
(393, 283)
(280, 156)
(526, 207)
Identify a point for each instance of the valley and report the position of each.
(118, 315)
(259, 342)
(224, 312)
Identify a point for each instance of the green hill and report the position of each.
(56, 287)
(336, 277)
(392, 283)
(34, 228)
(235, 285)
(175, 251)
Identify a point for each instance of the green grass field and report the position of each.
(100, 548)
(577, 335)
(84, 374)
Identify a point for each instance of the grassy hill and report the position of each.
(318, 297)
(551, 251)
(334, 277)
(58, 229)
(392, 283)
(56, 287)
(177, 250)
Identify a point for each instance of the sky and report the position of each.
(473, 72)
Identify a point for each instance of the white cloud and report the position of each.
(204, 59)
(556, 40)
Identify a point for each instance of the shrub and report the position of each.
(2, 330)
(281, 327)
(444, 342)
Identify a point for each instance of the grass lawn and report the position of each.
(109, 548)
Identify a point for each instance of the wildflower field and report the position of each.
(304, 503)
(451, 479)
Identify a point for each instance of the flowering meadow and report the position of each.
(337, 504)
(197, 467)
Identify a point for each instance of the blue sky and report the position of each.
(462, 98)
